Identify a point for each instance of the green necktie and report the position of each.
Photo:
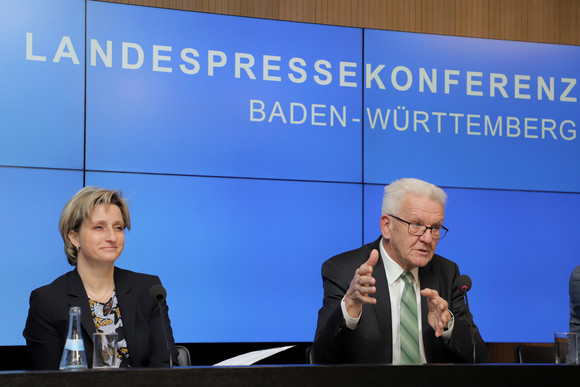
(409, 323)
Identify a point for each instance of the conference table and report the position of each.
(309, 375)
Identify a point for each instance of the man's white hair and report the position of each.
(396, 192)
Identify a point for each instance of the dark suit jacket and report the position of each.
(47, 324)
(371, 342)
(574, 288)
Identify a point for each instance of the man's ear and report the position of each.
(385, 223)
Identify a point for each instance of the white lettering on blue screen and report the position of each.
(401, 119)
(324, 72)
(297, 113)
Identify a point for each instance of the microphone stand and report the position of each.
(165, 334)
(465, 289)
(158, 293)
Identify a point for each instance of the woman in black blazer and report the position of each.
(92, 225)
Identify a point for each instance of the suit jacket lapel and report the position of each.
(383, 306)
(428, 280)
(77, 296)
(383, 310)
(127, 304)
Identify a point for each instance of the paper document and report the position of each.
(252, 357)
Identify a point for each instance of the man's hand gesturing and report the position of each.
(362, 287)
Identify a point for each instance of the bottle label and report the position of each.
(74, 345)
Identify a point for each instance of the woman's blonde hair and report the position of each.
(80, 207)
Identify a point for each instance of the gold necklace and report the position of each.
(99, 298)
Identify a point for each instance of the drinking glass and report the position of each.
(566, 348)
(105, 350)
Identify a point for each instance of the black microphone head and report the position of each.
(158, 292)
(463, 282)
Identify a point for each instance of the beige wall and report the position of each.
(545, 21)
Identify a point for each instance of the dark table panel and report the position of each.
(309, 375)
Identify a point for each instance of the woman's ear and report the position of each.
(73, 237)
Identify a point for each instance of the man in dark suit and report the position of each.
(574, 288)
(395, 300)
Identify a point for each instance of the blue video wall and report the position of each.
(253, 150)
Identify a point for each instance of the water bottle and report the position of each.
(73, 355)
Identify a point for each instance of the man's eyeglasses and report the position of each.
(417, 229)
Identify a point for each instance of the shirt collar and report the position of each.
(392, 268)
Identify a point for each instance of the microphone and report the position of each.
(158, 293)
(463, 282)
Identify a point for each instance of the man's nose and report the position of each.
(427, 236)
